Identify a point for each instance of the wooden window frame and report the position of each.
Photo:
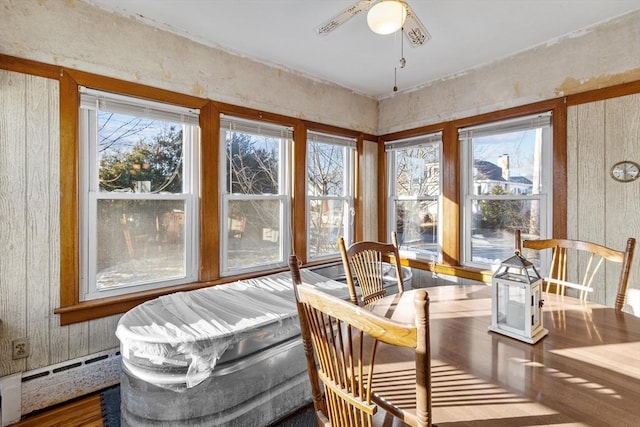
(299, 219)
(348, 196)
(450, 175)
(468, 194)
(391, 152)
(283, 195)
(72, 309)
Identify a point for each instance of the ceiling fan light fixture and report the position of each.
(386, 17)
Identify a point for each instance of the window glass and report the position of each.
(330, 169)
(254, 232)
(255, 203)
(139, 155)
(415, 189)
(139, 242)
(507, 186)
(254, 163)
(138, 204)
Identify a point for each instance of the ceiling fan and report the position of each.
(383, 17)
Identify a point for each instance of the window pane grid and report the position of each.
(138, 205)
(255, 200)
(506, 184)
(330, 184)
(328, 171)
(254, 233)
(329, 219)
(415, 190)
(253, 164)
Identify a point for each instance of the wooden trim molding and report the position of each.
(33, 68)
(299, 192)
(69, 221)
(209, 193)
(333, 130)
(258, 115)
(559, 197)
(383, 195)
(110, 84)
(358, 191)
(604, 93)
(522, 110)
(451, 214)
(409, 133)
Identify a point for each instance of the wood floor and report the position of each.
(82, 412)
(87, 412)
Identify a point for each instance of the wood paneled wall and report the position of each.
(600, 209)
(29, 231)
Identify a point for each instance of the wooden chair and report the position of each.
(341, 342)
(596, 253)
(364, 260)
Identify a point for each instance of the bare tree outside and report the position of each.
(139, 238)
(417, 190)
(139, 150)
(254, 199)
(328, 194)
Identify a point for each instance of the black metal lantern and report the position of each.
(516, 307)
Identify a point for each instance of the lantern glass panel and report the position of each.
(511, 306)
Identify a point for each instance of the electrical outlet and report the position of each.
(20, 348)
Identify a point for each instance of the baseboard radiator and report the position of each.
(44, 387)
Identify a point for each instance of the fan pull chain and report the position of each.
(403, 61)
(395, 79)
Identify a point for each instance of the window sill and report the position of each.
(90, 310)
(99, 308)
(478, 274)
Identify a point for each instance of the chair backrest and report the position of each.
(341, 341)
(596, 255)
(365, 262)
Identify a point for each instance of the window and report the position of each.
(414, 193)
(138, 194)
(330, 183)
(256, 196)
(506, 184)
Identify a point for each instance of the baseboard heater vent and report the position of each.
(58, 383)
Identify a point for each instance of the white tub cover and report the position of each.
(190, 331)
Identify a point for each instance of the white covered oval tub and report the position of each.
(229, 355)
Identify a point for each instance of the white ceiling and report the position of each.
(465, 34)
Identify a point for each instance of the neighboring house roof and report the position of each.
(487, 171)
(520, 180)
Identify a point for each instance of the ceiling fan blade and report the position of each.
(344, 16)
(414, 30)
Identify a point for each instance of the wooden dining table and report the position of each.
(585, 372)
